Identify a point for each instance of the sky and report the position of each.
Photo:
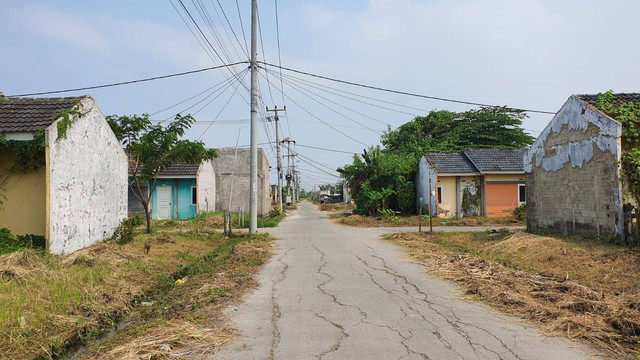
(530, 54)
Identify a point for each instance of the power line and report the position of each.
(398, 91)
(224, 107)
(280, 64)
(131, 81)
(325, 149)
(192, 97)
(246, 51)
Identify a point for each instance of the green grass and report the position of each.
(11, 243)
(237, 219)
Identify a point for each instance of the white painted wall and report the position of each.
(206, 187)
(87, 182)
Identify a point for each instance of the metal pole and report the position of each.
(430, 207)
(253, 168)
(420, 217)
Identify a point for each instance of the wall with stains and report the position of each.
(206, 187)
(229, 173)
(572, 173)
(87, 177)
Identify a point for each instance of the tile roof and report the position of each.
(31, 114)
(487, 160)
(181, 169)
(617, 98)
(478, 161)
(451, 163)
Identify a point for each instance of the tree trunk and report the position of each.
(147, 214)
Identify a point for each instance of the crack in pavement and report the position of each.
(276, 314)
(425, 299)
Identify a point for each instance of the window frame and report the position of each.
(522, 186)
(194, 191)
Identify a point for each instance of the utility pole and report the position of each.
(253, 168)
(289, 176)
(279, 187)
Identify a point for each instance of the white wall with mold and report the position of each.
(87, 177)
(575, 115)
(206, 180)
(572, 173)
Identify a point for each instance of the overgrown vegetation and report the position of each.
(384, 178)
(628, 114)
(66, 118)
(29, 155)
(520, 213)
(11, 243)
(52, 303)
(153, 148)
(215, 219)
(573, 286)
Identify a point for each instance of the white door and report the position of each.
(164, 202)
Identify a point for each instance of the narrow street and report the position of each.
(334, 292)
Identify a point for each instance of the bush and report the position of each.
(123, 234)
(520, 213)
(275, 210)
(11, 243)
(136, 220)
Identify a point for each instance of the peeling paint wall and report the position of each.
(87, 174)
(572, 173)
(206, 187)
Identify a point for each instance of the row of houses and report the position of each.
(79, 192)
(569, 178)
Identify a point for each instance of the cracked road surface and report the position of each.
(335, 292)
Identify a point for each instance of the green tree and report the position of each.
(153, 148)
(386, 177)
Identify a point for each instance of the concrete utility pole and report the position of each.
(289, 176)
(279, 187)
(253, 168)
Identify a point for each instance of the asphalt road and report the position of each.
(335, 292)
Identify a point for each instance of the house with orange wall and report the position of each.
(474, 182)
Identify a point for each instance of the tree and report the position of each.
(385, 177)
(153, 148)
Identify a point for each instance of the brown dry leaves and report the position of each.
(591, 294)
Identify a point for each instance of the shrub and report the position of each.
(10, 243)
(275, 211)
(123, 233)
(136, 220)
(520, 213)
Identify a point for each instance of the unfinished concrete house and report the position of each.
(63, 173)
(232, 181)
(572, 171)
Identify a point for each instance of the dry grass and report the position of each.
(51, 302)
(581, 289)
(414, 220)
(340, 207)
(166, 339)
(187, 320)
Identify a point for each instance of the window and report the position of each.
(522, 194)
(194, 196)
(439, 194)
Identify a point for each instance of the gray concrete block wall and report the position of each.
(238, 175)
(572, 179)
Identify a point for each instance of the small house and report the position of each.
(63, 173)
(573, 174)
(474, 182)
(232, 181)
(181, 192)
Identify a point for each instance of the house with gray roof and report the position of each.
(182, 191)
(63, 173)
(474, 182)
(573, 174)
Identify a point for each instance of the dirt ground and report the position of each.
(580, 288)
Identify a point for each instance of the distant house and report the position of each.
(77, 193)
(181, 192)
(232, 181)
(484, 182)
(572, 172)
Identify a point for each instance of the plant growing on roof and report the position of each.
(153, 148)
